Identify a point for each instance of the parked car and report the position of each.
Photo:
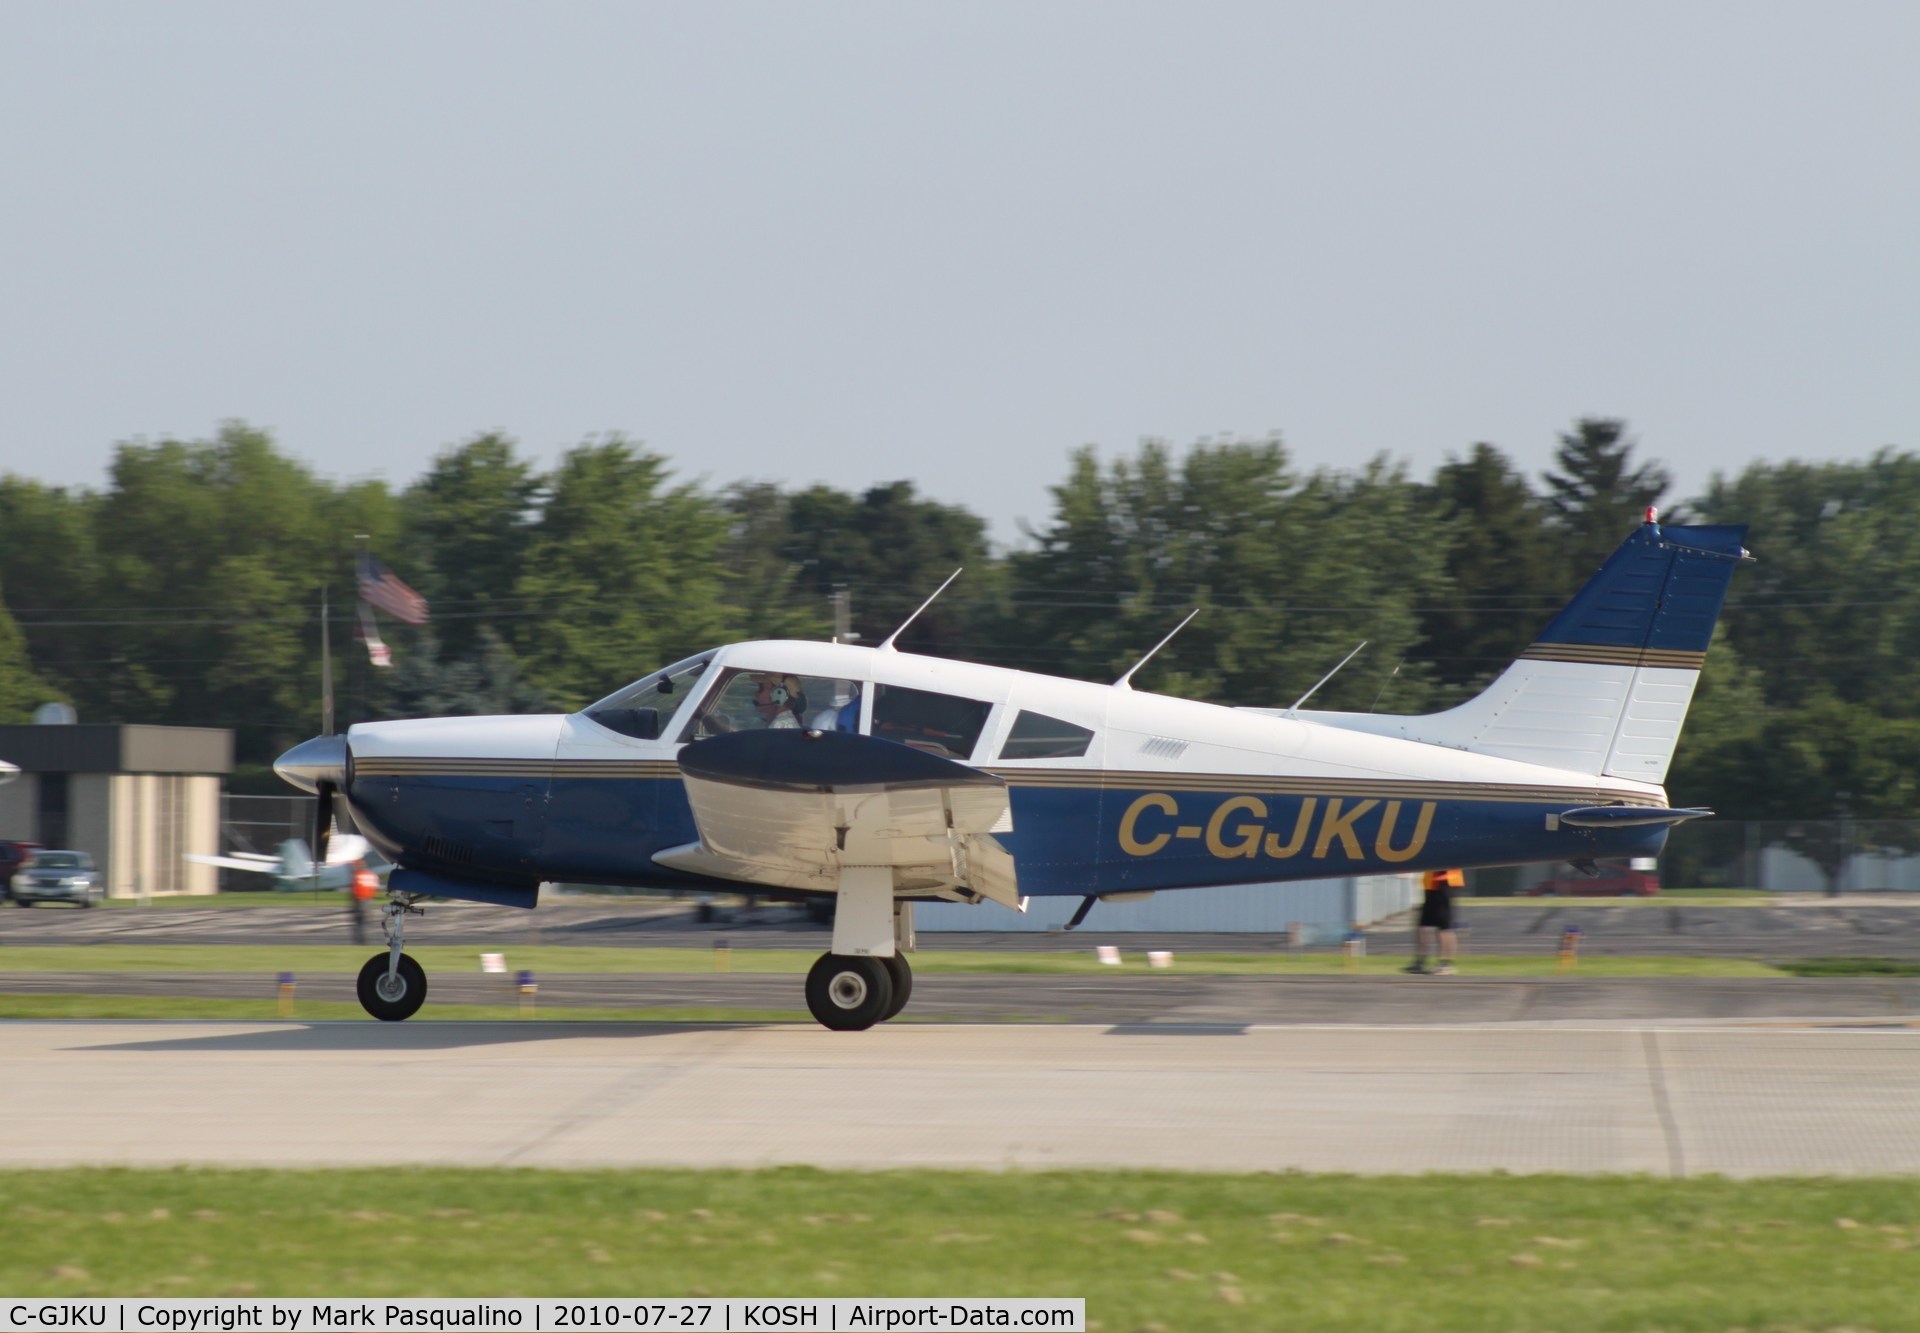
(1639, 879)
(57, 877)
(12, 856)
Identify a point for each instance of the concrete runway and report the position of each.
(1664, 1099)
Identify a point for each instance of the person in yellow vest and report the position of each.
(1435, 935)
(365, 885)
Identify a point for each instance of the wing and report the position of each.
(266, 865)
(792, 809)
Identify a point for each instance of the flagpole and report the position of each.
(360, 540)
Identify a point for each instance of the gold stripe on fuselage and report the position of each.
(1079, 779)
(422, 767)
(1228, 784)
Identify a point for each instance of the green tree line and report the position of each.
(187, 588)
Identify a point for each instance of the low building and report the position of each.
(136, 798)
(1314, 911)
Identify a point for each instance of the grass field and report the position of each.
(1146, 1250)
(1665, 898)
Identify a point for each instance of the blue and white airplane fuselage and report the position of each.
(882, 777)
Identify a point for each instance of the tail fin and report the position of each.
(295, 859)
(1605, 687)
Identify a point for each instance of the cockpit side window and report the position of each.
(750, 700)
(942, 724)
(1037, 736)
(644, 707)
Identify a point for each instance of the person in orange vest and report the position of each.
(1436, 924)
(359, 894)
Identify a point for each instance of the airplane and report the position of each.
(293, 870)
(881, 778)
(8, 772)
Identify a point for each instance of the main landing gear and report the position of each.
(851, 994)
(393, 986)
(865, 979)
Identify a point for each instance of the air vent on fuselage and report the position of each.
(449, 852)
(1163, 747)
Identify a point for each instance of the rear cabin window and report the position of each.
(942, 724)
(1037, 736)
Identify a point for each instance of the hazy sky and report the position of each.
(856, 242)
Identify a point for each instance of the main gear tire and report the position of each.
(848, 993)
(902, 977)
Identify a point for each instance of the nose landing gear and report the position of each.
(393, 986)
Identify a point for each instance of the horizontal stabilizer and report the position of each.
(1628, 816)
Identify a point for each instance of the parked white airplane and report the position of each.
(880, 777)
(293, 869)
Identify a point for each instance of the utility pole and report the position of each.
(842, 601)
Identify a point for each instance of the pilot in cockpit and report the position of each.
(780, 702)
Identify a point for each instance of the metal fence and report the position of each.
(261, 823)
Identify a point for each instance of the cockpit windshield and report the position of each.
(642, 708)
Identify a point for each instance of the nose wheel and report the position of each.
(393, 986)
(392, 993)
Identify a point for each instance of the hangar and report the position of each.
(137, 798)
(1316, 911)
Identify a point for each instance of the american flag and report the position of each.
(380, 587)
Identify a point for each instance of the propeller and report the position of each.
(320, 764)
(323, 790)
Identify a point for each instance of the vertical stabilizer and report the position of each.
(295, 860)
(1604, 689)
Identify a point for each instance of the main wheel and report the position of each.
(849, 994)
(391, 999)
(902, 977)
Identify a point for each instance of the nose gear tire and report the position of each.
(391, 999)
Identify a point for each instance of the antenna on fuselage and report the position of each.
(1121, 684)
(886, 645)
(1324, 679)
